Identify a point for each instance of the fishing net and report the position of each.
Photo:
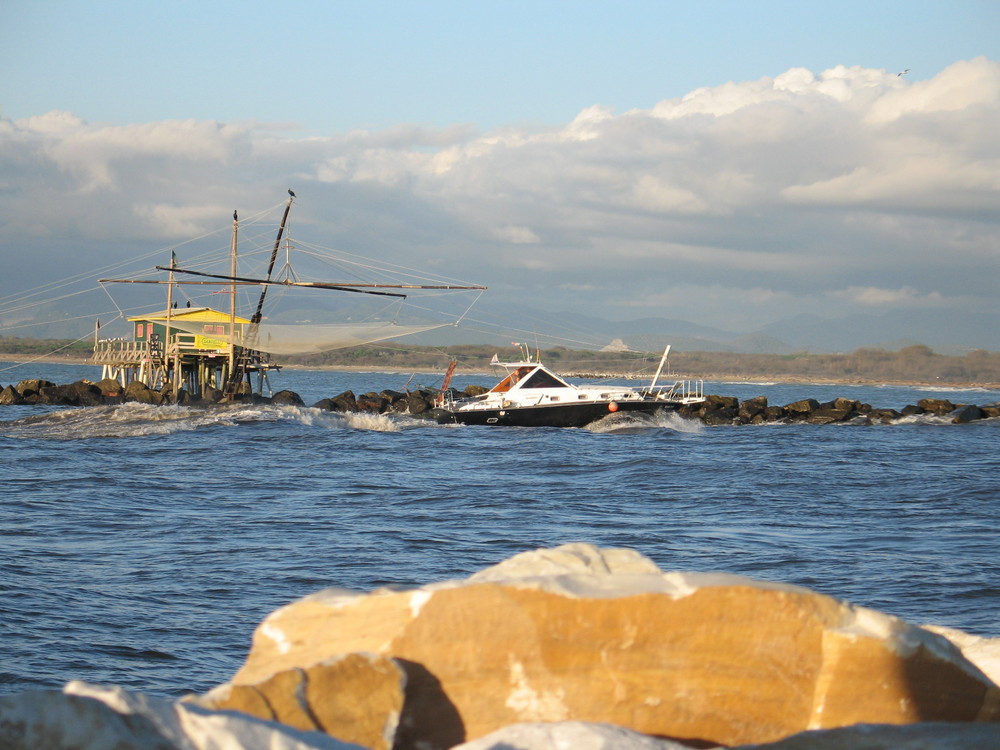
(303, 339)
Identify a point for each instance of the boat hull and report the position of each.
(555, 415)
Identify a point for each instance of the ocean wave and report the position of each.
(638, 422)
(140, 420)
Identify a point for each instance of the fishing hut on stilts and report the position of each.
(204, 353)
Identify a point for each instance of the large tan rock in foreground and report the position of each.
(582, 634)
(91, 717)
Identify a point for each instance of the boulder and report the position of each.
(883, 416)
(753, 408)
(723, 415)
(801, 409)
(936, 736)
(983, 652)
(964, 414)
(829, 415)
(940, 407)
(32, 386)
(373, 402)
(418, 404)
(393, 397)
(568, 735)
(9, 396)
(356, 698)
(287, 398)
(138, 391)
(110, 387)
(582, 634)
(474, 390)
(991, 410)
(345, 402)
(87, 717)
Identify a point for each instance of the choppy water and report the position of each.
(140, 546)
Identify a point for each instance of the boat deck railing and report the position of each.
(682, 390)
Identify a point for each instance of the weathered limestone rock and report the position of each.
(582, 634)
(568, 735)
(356, 698)
(937, 736)
(87, 717)
(983, 652)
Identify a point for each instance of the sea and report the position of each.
(140, 546)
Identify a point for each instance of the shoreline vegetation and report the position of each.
(912, 365)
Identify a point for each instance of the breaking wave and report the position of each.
(638, 422)
(139, 420)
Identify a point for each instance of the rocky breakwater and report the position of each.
(572, 647)
(719, 410)
(715, 410)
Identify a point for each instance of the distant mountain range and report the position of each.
(946, 332)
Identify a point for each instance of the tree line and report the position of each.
(911, 364)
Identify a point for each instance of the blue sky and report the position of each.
(326, 67)
(734, 163)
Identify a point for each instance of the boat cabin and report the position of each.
(528, 375)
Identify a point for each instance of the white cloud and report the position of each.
(870, 296)
(793, 193)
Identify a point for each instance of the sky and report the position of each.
(729, 163)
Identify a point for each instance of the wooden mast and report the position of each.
(232, 299)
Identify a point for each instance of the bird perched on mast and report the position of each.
(291, 193)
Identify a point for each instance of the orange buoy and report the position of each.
(613, 406)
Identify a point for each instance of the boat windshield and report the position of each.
(542, 379)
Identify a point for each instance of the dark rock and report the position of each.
(911, 410)
(139, 392)
(325, 404)
(991, 410)
(474, 390)
(883, 416)
(712, 403)
(774, 413)
(345, 402)
(964, 414)
(722, 415)
(393, 397)
(212, 395)
(418, 404)
(801, 409)
(110, 387)
(939, 407)
(63, 395)
(287, 398)
(32, 386)
(10, 397)
(753, 408)
(372, 402)
(827, 415)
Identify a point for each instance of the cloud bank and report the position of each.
(735, 205)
